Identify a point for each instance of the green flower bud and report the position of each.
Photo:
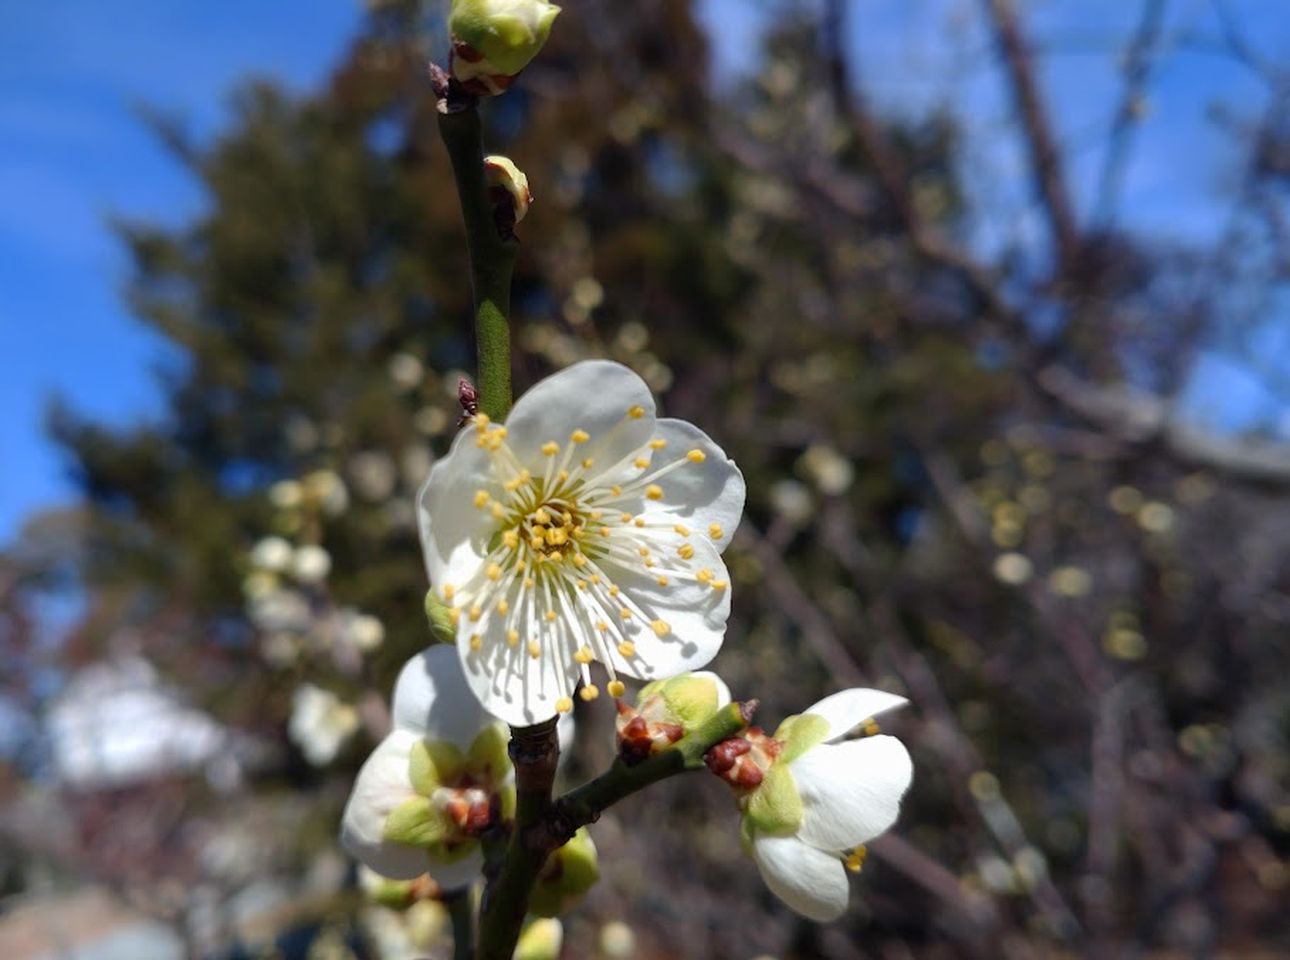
(507, 184)
(568, 874)
(666, 710)
(540, 940)
(493, 40)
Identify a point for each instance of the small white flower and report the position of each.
(311, 564)
(583, 530)
(320, 723)
(811, 799)
(427, 791)
(362, 631)
(272, 554)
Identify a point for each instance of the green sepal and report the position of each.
(567, 876)
(799, 733)
(506, 795)
(415, 823)
(395, 894)
(449, 763)
(441, 627)
(421, 769)
(446, 852)
(488, 759)
(747, 833)
(775, 806)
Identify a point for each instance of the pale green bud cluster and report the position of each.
(493, 40)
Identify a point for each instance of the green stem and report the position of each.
(461, 913)
(492, 259)
(542, 826)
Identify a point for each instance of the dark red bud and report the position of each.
(722, 757)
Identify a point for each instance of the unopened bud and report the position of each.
(666, 711)
(540, 940)
(493, 40)
(567, 876)
(440, 617)
(508, 190)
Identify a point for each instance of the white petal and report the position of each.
(382, 784)
(700, 494)
(432, 699)
(812, 882)
(851, 791)
(458, 874)
(723, 691)
(454, 534)
(564, 731)
(511, 685)
(695, 612)
(595, 396)
(846, 709)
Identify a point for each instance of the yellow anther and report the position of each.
(616, 688)
(583, 655)
(662, 581)
(615, 489)
(636, 412)
(855, 859)
(511, 539)
(512, 637)
(557, 537)
(604, 531)
(589, 692)
(685, 551)
(602, 626)
(481, 498)
(498, 511)
(520, 564)
(475, 613)
(476, 641)
(682, 529)
(658, 443)
(580, 436)
(704, 576)
(661, 628)
(640, 463)
(448, 591)
(576, 533)
(649, 562)
(550, 448)
(582, 584)
(625, 518)
(595, 578)
(719, 585)
(528, 583)
(549, 616)
(494, 572)
(499, 432)
(454, 615)
(482, 420)
(625, 613)
(870, 727)
(696, 456)
(563, 705)
(579, 561)
(654, 492)
(503, 606)
(535, 650)
(613, 590)
(643, 551)
(562, 476)
(627, 648)
(639, 521)
(536, 541)
(540, 515)
(595, 515)
(715, 531)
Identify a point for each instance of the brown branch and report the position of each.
(1045, 158)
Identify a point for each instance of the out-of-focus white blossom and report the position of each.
(1012, 568)
(405, 370)
(272, 554)
(311, 564)
(373, 474)
(792, 501)
(328, 491)
(362, 631)
(830, 471)
(320, 723)
(286, 494)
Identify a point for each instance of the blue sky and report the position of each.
(72, 151)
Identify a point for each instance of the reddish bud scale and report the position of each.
(471, 811)
(743, 761)
(639, 738)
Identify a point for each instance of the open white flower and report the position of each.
(583, 530)
(320, 723)
(439, 779)
(811, 799)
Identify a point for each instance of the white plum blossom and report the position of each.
(311, 564)
(583, 530)
(438, 780)
(320, 723)
(272, 554)
(811, 798)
